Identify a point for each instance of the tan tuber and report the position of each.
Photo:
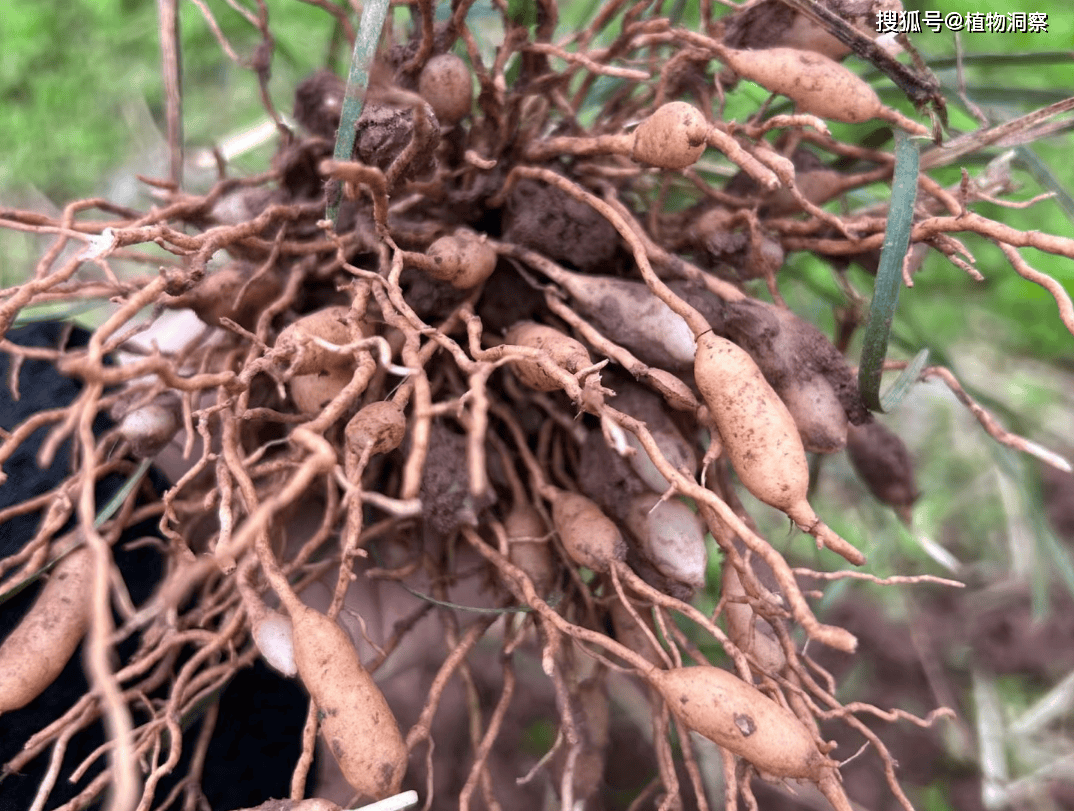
(321, 373)
(564, 351)
(590, 537)
(528, 547)
(463, 259)
(672, 538)
(356, 721)
(235, 291)
(379, 426)
(629, 314)
(740, 718)
(446, 83)
(41, 644)
(760, 436)
(673, 137)
(750, 632)
(816, 84)
(821, 420)
(149, 428)
(330, 324)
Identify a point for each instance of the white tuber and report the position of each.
(672, 538)
(274, 638)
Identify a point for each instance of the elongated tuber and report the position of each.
(818, 85)
(589, 536)
(37, 650)
(759, 435)
(740, 718)
(356, 721)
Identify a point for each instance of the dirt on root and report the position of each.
(543, 218)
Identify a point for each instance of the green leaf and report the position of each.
(523, 12)
(365, 48)
(53, 312)
(889, 276)
(121, 495)
(901, 387)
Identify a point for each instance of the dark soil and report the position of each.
(445, 496)
(543, 218)
(607, 478)
(382, 131)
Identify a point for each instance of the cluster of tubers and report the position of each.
(364, 378)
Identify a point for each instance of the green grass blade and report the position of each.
(18, 587)
(889, 276)
(106, 512)
(992, 60)
(901, 387)
(1013, 97)
(1028, 159)
(471, 608)
(121, 495)
(40, 313)
(365, 48)
(989, 721)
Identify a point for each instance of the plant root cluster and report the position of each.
(358, 409)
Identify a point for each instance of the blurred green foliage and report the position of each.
(73, 73)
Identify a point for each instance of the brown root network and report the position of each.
(403, 438)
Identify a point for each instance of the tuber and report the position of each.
(672, 538)
(464, 259)
(564, 351)
(809, 374)
(589, 536)
(356, 721)
(882, 462)
(275, 639)
(821, 420)
(673, 137)
(630, 314)
(647, 407)
(331, 324)
(235, 291)
(379, 426)
(528, 547)
(586, 700)
(445, 83)
(816, 84)
(740, 718)
(41, 644)
(759, 435)
(750, 632)
(321, 373)
(149, 428)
